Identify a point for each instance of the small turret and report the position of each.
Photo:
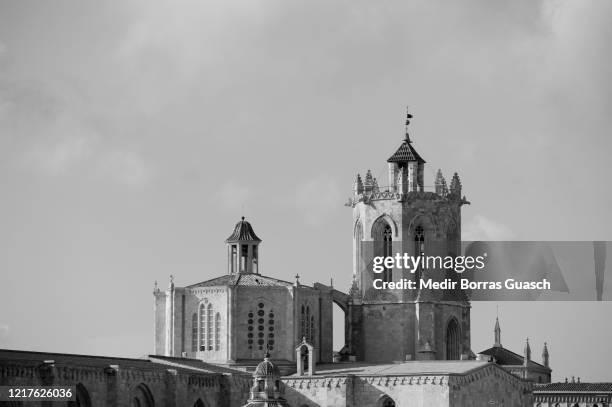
(242, 246)
(406, 166)
(545, 356)
(368, 185)
(441, 188)
(267, 389)
(455, 186)
(375, 187)
(358, 187)
(526, 353)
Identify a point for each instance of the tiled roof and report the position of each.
(404, 153)
(259, 280)
(243, 279)
(438, 367)
(243, 231)
(69, 358)
(574, 387)
(215, 282)
(504, 356)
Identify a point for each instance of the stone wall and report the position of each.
(276, 300)
(103, 385)
(174, 310)
(474, 389)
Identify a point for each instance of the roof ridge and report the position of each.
(36, 352)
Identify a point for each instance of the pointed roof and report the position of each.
(527, 349)
(497, 331)
(243, 279)
(405, 153)
(243, 231)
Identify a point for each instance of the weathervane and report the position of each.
(408, 117)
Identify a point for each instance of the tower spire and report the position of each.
(545, 356)
(497, 331)
(526, 353)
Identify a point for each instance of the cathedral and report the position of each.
(235, 318)
(247, 339)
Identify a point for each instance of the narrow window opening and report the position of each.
(388, 252)
(419, 249)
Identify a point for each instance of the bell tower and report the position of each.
(243, 249)
(406, 216)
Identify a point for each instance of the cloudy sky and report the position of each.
(133, 135)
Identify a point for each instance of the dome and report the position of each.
(243, 231)
(266, 369)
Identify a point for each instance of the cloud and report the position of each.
(316, 199)
(59, 156)
(233, 196)
(125, 167)
(482, 228)
(50, 130)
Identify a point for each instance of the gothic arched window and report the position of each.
(194, 332)
(453, 340)
(202, 327)
(312, 329)
(382, 236)
(387, 251)
(419, 247)
(209, 327)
